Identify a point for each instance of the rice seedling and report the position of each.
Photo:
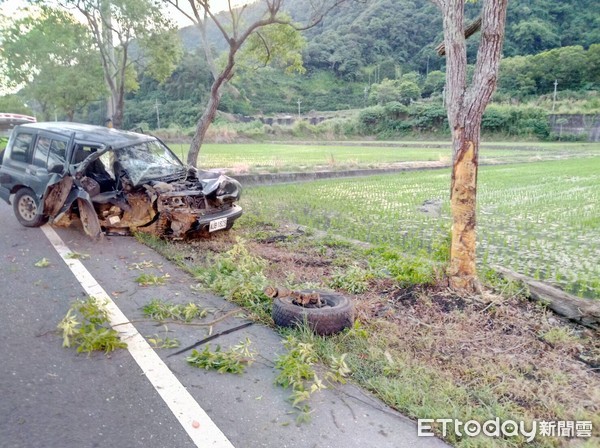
(541, 219)
(281, 157)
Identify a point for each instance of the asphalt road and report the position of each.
(52, 397)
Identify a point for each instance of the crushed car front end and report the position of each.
(203, 203)
(144, 187)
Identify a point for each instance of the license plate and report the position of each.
(217, 224)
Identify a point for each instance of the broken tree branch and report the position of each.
(210, 338)
(583, 311)
(180, 322)
(469, 31)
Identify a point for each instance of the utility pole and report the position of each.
(554, 98)
(299, 102)
(157, 114)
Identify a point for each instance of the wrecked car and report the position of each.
(114, 182)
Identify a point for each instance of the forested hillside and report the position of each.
(360, 44)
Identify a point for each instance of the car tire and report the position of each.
(25, 206)
(337, 314)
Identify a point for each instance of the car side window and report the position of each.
(21, 149)
(81, 153)
(57, 153)
(40, 155)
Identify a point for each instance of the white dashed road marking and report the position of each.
(178, 399)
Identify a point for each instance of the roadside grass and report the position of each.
(423, 350)
(280, 157)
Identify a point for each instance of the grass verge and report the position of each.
(423, 350)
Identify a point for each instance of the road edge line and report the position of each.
(181, 403)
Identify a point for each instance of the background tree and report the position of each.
(236, 29)
(384, 92)
(51, 55)
(466, 105)
(408, 91)
(14, 104)
(534, 36)
(434, 83)
(129, 35)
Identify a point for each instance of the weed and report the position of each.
(160, 245)
(338, 369)
(233, 360)
(86, 325)
(560, 336)
(440, 248)
(160, 310)
(238, 276)
(255, 219)
(406, 270)
(506, 287)
(151, 279)
(336, 242)
(355, 280)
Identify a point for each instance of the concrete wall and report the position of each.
(576, 124)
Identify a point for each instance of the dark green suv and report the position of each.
(113, 181)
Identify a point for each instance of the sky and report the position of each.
(10, 7)
(216, 5)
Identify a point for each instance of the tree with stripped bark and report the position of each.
(466, 101)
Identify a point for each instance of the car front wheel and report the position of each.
(25, 205)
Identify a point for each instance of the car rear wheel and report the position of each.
(25, 205)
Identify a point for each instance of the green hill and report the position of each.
(362, 43)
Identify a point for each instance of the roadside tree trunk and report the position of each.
(210, 112)
(463, 200)
(466, 105)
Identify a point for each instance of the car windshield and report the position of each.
(149, 161)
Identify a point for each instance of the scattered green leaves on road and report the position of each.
(233, 360)
(86, 326)
(43, 263)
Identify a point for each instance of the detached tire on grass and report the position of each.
(337, 314)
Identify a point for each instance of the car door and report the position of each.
(48, 155)
(16, 160)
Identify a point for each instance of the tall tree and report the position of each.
(116, 25)
(466, 104)
(51, 55)
(237, 28)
